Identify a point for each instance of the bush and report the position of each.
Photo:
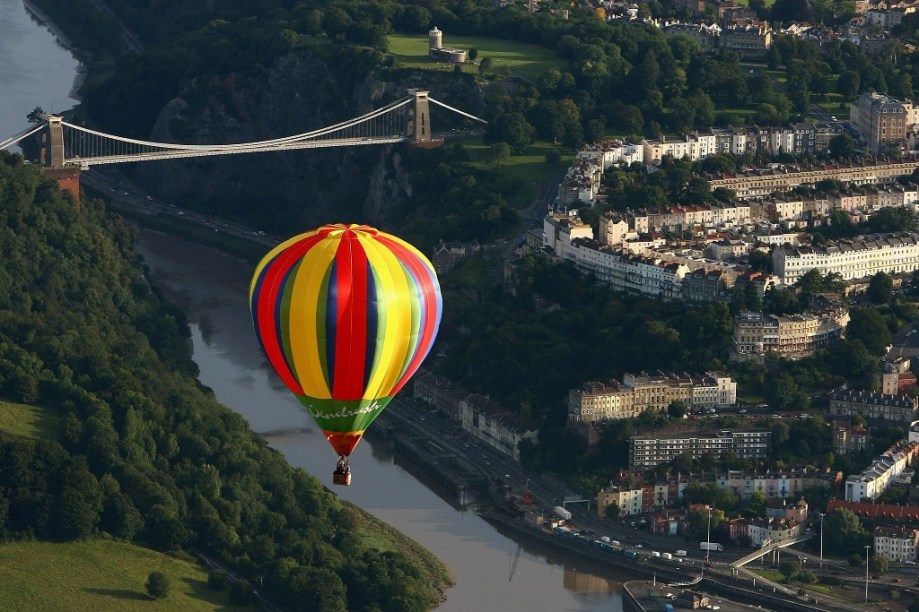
(217, 580)
(241, 592)
(805, 576)
(157, 585)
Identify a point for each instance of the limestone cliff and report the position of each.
(291, 191)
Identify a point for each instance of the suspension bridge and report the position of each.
(67, 148)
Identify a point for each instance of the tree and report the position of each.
(630, 120)
(844, 534)
(880, 288)
(37, 115)
(787, 568)
(841, 146)
(217, 580)
(756, 505)
(869, 326)
(677, 409)
(848, 85)
(878, 564)
(241, 592)
(499, 153)
(512, 128)
(473, 53)
(157, 585)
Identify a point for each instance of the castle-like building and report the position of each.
(436, 49)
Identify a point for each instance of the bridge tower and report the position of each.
(418, 129)
(52, 158)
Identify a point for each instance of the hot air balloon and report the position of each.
(345, 315)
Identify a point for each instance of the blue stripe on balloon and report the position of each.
(331, 323)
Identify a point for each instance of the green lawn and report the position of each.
(99, 575)
(529, 167)
(28, 421)
(525, 60)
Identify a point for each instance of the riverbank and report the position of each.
(81, 55)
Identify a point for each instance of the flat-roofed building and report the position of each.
(650, 450)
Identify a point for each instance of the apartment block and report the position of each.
(850, 438)
(757, 334)
(481, 417)
(750, 39)
(790, 482)
(897, 544)
(878, 409)
(650, 450)
(880, 121)
(882, 472)
(860, 257)
(594, 401)
(761, 182)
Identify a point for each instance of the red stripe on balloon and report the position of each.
(423, 276)
(267, 312)
(351, 322)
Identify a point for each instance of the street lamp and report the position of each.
(821, 540)
(866, 572)
(708, 536)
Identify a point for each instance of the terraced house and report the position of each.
(860, 257)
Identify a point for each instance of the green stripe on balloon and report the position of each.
(344, 415)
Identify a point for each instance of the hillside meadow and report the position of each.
(96, 575)
(27, 421)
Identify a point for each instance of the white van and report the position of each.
(680, 553)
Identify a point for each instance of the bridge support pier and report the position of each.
(418, 129)
(52, 159)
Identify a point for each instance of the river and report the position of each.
(36, 69)
(492, 571)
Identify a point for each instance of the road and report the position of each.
(543, 196)
(121, 193)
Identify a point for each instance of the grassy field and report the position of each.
(527, 61)
(28, 421)
(527, 168)
(99, 575)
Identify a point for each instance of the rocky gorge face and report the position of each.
(293, 190)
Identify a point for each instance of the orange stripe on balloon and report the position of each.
(343, 443)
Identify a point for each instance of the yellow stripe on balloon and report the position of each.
(305, 346)
(394, 322)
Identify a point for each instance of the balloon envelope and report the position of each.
(345, 314)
